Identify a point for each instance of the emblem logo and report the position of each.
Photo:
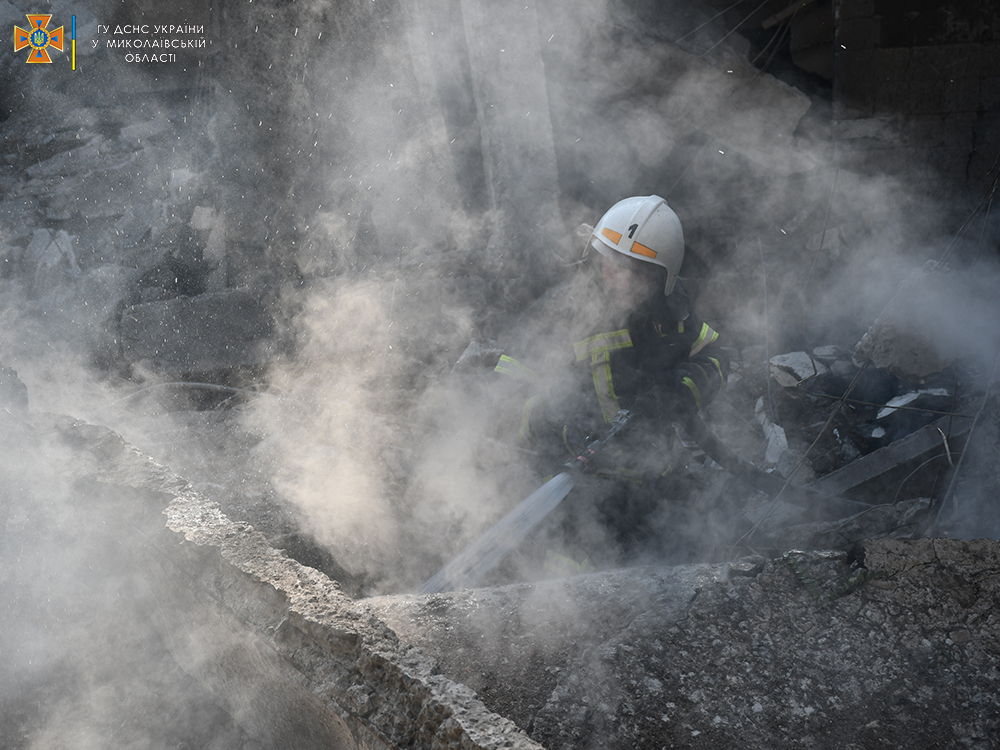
(38, 38)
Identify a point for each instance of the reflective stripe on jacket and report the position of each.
(598, 348)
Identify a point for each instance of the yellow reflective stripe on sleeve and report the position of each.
(680, 326)
(598, 348)
(706, 337)
(694, 391)
(718, 366)
(594, 345)
(525, 431)
(513, 368)
(604, 387)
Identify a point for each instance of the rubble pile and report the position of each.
(896, 647)
(898, 642)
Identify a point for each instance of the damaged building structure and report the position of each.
(236, 287)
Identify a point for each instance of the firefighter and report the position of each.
(643, 350)
(664, 353)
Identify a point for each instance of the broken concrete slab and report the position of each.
(208, 332)
(907, 399)
(292, 660)
(898, 453)
(792, 368)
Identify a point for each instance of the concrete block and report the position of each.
(199, 334)
(293, 661)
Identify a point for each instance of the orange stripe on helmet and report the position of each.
(643, 250)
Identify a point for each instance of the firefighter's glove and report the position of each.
(577, 434)
(676, 395)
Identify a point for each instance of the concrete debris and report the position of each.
(935, 317)
(792, 368)
(907, 399)
(732, 656)
(898, 455)
(777, 443)
(177, 243)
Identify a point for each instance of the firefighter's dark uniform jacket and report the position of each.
(664, 359)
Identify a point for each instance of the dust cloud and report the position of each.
(398, 459)
(371, 215)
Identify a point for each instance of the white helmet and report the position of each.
(639, 231)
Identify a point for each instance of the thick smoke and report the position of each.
(372, 221)
(398, 459)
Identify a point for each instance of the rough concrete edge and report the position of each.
(388, 696)
(370, 679)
